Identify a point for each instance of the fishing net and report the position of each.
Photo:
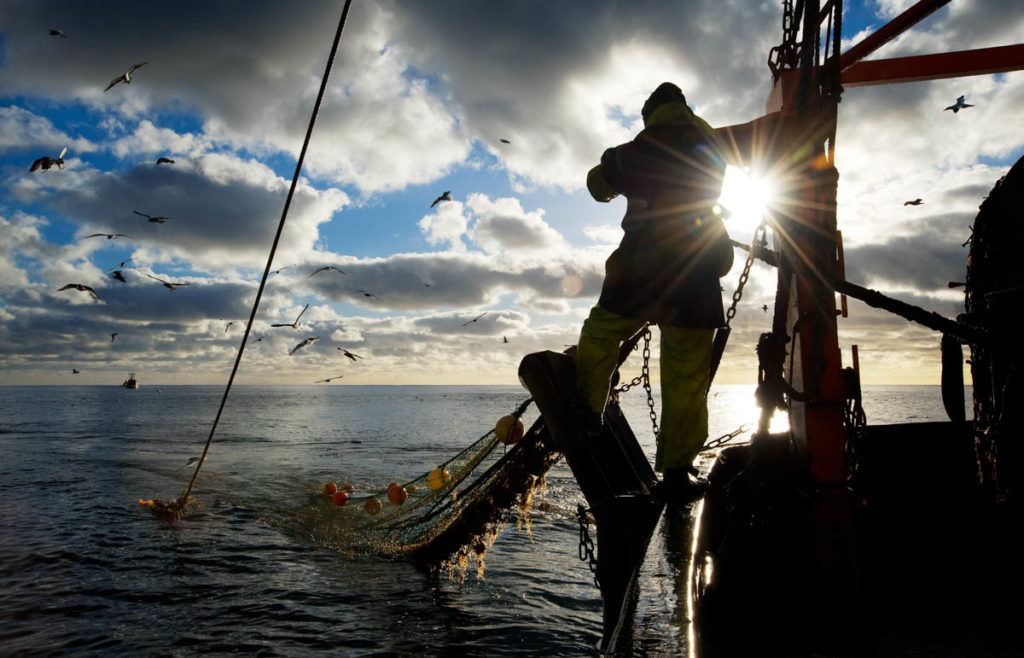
(447, 515)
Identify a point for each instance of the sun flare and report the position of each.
(746, 197)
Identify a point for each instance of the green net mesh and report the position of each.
(446, 515)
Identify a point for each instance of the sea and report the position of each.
(86, 570)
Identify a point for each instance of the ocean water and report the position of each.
(85, 570)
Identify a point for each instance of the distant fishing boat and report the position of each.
(131, 382)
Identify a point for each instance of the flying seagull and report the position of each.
(158, 219)
(112, 336)
(368, 294)
(109, 236)
(228, 326)
(504, 339)
(447, 196)
(125, 77)
(350, 355)
(504, 141)
(80, 287)
(170, 286)
(915, 202)
(74, 371)
(58, 33)
(120, 277)
(326, 268)
(308, 341)
(164, 161)
(192, 460)
(321, 381)
(958, 105)
(293, 325)
(121, 264)
(257, 339)
(764, 307)
(281, 269)
(474, 319)
(46, 162)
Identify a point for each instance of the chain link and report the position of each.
(760, 239)
(586, 548)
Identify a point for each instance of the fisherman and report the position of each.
(665, 271)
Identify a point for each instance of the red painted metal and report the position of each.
(935, 67)
(890, 31)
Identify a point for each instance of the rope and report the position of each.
(183, 500)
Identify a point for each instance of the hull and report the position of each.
(935, 567)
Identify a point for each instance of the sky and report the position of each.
(507, 106)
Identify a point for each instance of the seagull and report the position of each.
(504, 339)
(321, 381)
(228, 326)
(257, 339)
(281, 269)
(368, 294)
(80, 287)
(121, 264)
(58, 33)
(350, 355)
(74, 371)
(326, 268)
(159, 392)
(504, 141)
(109, 236)
(447, 196)
(167, 284)
(915, 202)
(164, 161)
(191, 461)
(474, 319)
(764, 307)
(120, 277)
(125, 77)
(298, 347)
(159, 219)
(293, 325)
(112, 336)
(46, 162)
(959, 105)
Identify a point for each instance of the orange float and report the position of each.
(348, 487)
(330, 489)
(509, 429)
(372, 506)
(340, 498)
(397, 493)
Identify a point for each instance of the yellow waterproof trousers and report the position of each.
(685, 364)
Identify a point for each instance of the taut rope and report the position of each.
(183, 500)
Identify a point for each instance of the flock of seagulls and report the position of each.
(45, 163)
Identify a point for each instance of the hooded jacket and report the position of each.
(674, 247)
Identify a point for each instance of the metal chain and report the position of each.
(645, 379)
(586, 548)
(760, 238)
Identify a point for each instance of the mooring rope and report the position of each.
(183, 500)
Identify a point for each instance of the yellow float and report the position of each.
(438, 477)
(509, 429)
